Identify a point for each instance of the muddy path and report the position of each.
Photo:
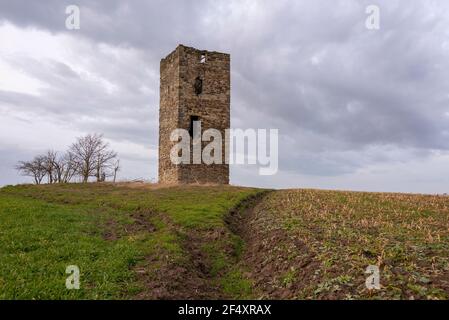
(194, 276)
(277, 263)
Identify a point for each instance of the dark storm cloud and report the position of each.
(156, 25)
(80, 101)
(388, 86)
(342, 96)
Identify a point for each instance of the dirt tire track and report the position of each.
(193, 279)
(174, 280)
(265, 260)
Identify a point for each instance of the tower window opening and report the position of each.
(193, 119)
(198, 86)
(203, 58)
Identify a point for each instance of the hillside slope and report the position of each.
(192, 242)
(128, 241)
(312, 244)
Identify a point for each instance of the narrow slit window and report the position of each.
(198, 86)
(203, 58)
(193, 119)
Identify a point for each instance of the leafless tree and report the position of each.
(49, 164)
(91, 156)
(115, 169)
(35, 168)
(103, 164)
(88, 157)
(71, 167)
(59, 168)
(65, 168)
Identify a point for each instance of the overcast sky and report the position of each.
(356, 108)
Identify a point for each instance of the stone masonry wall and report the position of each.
(179, 102)
(168, 115)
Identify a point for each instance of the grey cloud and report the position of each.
(336, 90)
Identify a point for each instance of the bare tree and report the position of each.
(103, 163)
(35, 168)
(116, 168)
(49, 164)
(83, 152)
(65, 168)
(59, 168)
(91, 156)
(88, 157)
(71, 167)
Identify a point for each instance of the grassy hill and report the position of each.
(152, 242)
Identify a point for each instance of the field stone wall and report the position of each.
(179, 101)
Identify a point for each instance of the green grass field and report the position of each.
(133, 241)
(112, 233)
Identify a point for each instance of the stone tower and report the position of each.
(194, 86)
